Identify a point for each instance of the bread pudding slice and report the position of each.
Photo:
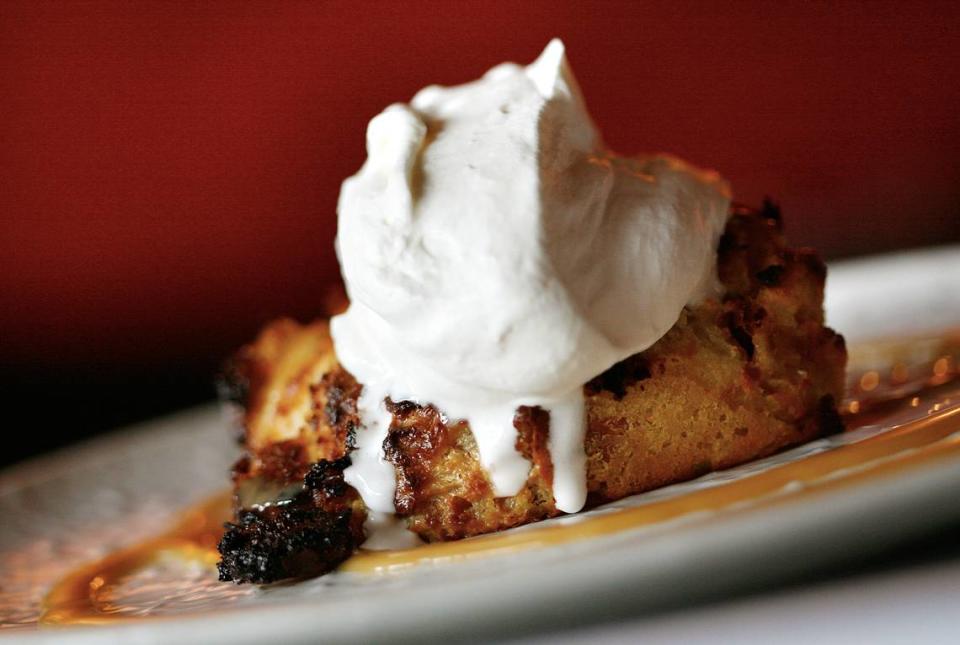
(735, 379)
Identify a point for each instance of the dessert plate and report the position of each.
(111, 539)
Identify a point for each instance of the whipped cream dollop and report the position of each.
(498, 255)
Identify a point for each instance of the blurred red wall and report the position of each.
(170, 169)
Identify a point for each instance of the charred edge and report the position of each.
(620, 377)
(401, 408)
(839, 342)
(326, 478)
(412, 449)
(828, 418)
(772, 275)
(309, 536)
(281, 542)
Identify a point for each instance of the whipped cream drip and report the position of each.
(498, 255)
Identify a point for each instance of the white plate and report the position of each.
(79, 504)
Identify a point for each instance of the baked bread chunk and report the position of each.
(736, 378)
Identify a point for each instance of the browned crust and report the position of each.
(735, 379)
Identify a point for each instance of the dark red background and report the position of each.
(169, 171)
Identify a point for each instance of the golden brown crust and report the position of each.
(735, 379)
(444, 492)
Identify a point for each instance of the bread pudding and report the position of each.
(739, 376)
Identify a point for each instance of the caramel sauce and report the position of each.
(74, 599)
(916, 444)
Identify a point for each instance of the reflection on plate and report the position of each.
(100, 535)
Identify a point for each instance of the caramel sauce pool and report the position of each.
(76, 598)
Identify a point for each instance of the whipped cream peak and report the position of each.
(497, 255)
(551, 72)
